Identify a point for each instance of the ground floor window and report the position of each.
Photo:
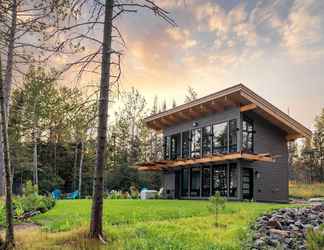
(205, 185)
(207, 180)
(219, 180)
(184, 182)
(195, 182)
(233, 180)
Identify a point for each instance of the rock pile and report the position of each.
(286, 228)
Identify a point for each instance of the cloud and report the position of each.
(303, 32)
(232, 28)
(182, 37)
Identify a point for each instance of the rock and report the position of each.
(286, 228)
(281, 233)
(273, 223)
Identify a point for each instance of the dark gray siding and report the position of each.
(272, 184)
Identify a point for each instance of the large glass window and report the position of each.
(247, 136)
(219, 180)
(175, 146)
(184, 181)
(166, 147)
(220, 138)
(232, 136)
(195, 143)
(205, 185)
(195, 182)
(233, 180)
(207, 140)
(185, 145)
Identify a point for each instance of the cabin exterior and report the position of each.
(233, 142)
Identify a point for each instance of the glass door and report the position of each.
(247, 183)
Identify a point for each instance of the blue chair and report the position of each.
(72, 196)
(56, 194)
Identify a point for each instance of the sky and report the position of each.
(276, 48)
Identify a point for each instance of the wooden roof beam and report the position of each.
(248, 107)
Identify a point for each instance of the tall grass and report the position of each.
(306, 191)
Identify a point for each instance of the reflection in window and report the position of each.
(220, 137)
(247, 136)
(207, 140)
(232, 136)
(233, 180)
(175, 146)
(219, 180)
(195, 143)
(166, 147)
(185, 145)
(195, 182)
(184, 181)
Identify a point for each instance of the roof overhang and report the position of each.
(236, 96)
(169, 165)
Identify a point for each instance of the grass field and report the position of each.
(306, 191)
(153, 224)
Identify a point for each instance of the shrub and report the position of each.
(315, 239)
(217, 203)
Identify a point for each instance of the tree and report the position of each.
(216, 204)
(9, 244)
(191, 95)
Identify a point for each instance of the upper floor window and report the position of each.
(247, 136)
(220, 138)
(195, 142)
(167, 147)
(232, 136)
(185, 144)
(207, 137)
(175, 146)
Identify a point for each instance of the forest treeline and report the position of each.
(52, 135)
(52, 131)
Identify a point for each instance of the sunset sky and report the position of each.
(276, 48)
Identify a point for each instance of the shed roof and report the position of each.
(235, 96)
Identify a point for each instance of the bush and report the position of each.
(315, 239)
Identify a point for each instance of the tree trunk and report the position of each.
(34, 138)
(97, 200)
(6, 156)
(8, 83)
(75, 163)
(81, 166)
(35, 163)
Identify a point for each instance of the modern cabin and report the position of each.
(233, 142)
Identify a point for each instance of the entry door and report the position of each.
(247, 183)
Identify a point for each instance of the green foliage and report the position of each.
(216, 204)
(315, 238)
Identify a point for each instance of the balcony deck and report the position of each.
(171, 164)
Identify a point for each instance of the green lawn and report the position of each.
(158, 224)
